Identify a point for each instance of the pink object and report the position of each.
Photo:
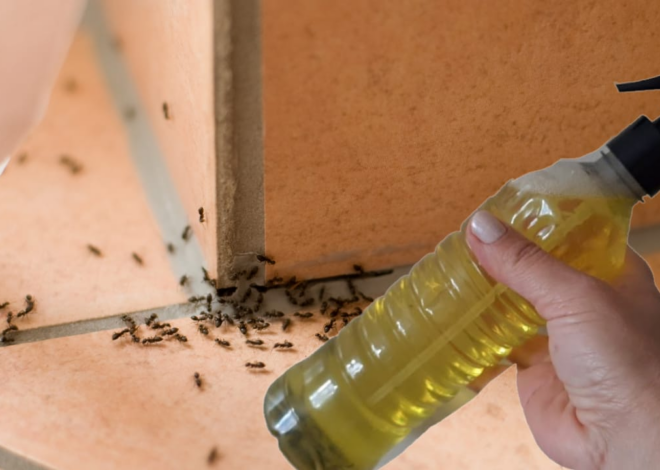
(34, 38)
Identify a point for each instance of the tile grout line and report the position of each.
(273, 299)
(161, 193)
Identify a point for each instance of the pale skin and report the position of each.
(591, 391)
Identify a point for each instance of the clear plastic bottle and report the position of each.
(436, 329)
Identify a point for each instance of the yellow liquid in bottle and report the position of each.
(433, 332)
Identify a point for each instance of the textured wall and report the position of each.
(388, 122)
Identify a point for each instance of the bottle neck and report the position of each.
(615, 175)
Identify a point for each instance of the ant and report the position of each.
(73, 166)
(138, 259)
(183, 281)
(203, 330)
(166, 110)
(274, 314)
(201, 214)
(154, 339)
(119, 334)
(213, 456)
(29, 306)
(3, 305)
(171, 248)
(254, 342)
(207, 279)
(255, 365)
(321, 337)
(286, 323)
(265, 259)
(303, 315)
(152, 318)
(223, 342)
(328, 326)
(284, 345)
(94, 250)
(187, 231)
(198, 379)
(180, 338)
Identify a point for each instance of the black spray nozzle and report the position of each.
(641, 85)
(638, 149)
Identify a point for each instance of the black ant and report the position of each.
(255, 365)
(198, 379)
(74, 167)
(284, 345)
(254, 342)
(286, 323)
(166, 110)
(303, 315)
(213, 456)
(274, 314)
(153, 339)
(187, 231)
(94, 250)
(119, 334)
(201, 214)
(138, 259)
(321, 337)
(183, 281)
(265, 259)
(223, 342)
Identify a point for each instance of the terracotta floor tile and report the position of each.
(49, 215)
(94, 403)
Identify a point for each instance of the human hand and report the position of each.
(592, 397)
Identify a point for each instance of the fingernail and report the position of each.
(486, 227)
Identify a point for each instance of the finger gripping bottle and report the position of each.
(436, 329)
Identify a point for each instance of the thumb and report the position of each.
(523, 266)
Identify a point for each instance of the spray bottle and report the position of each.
(439, 327)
